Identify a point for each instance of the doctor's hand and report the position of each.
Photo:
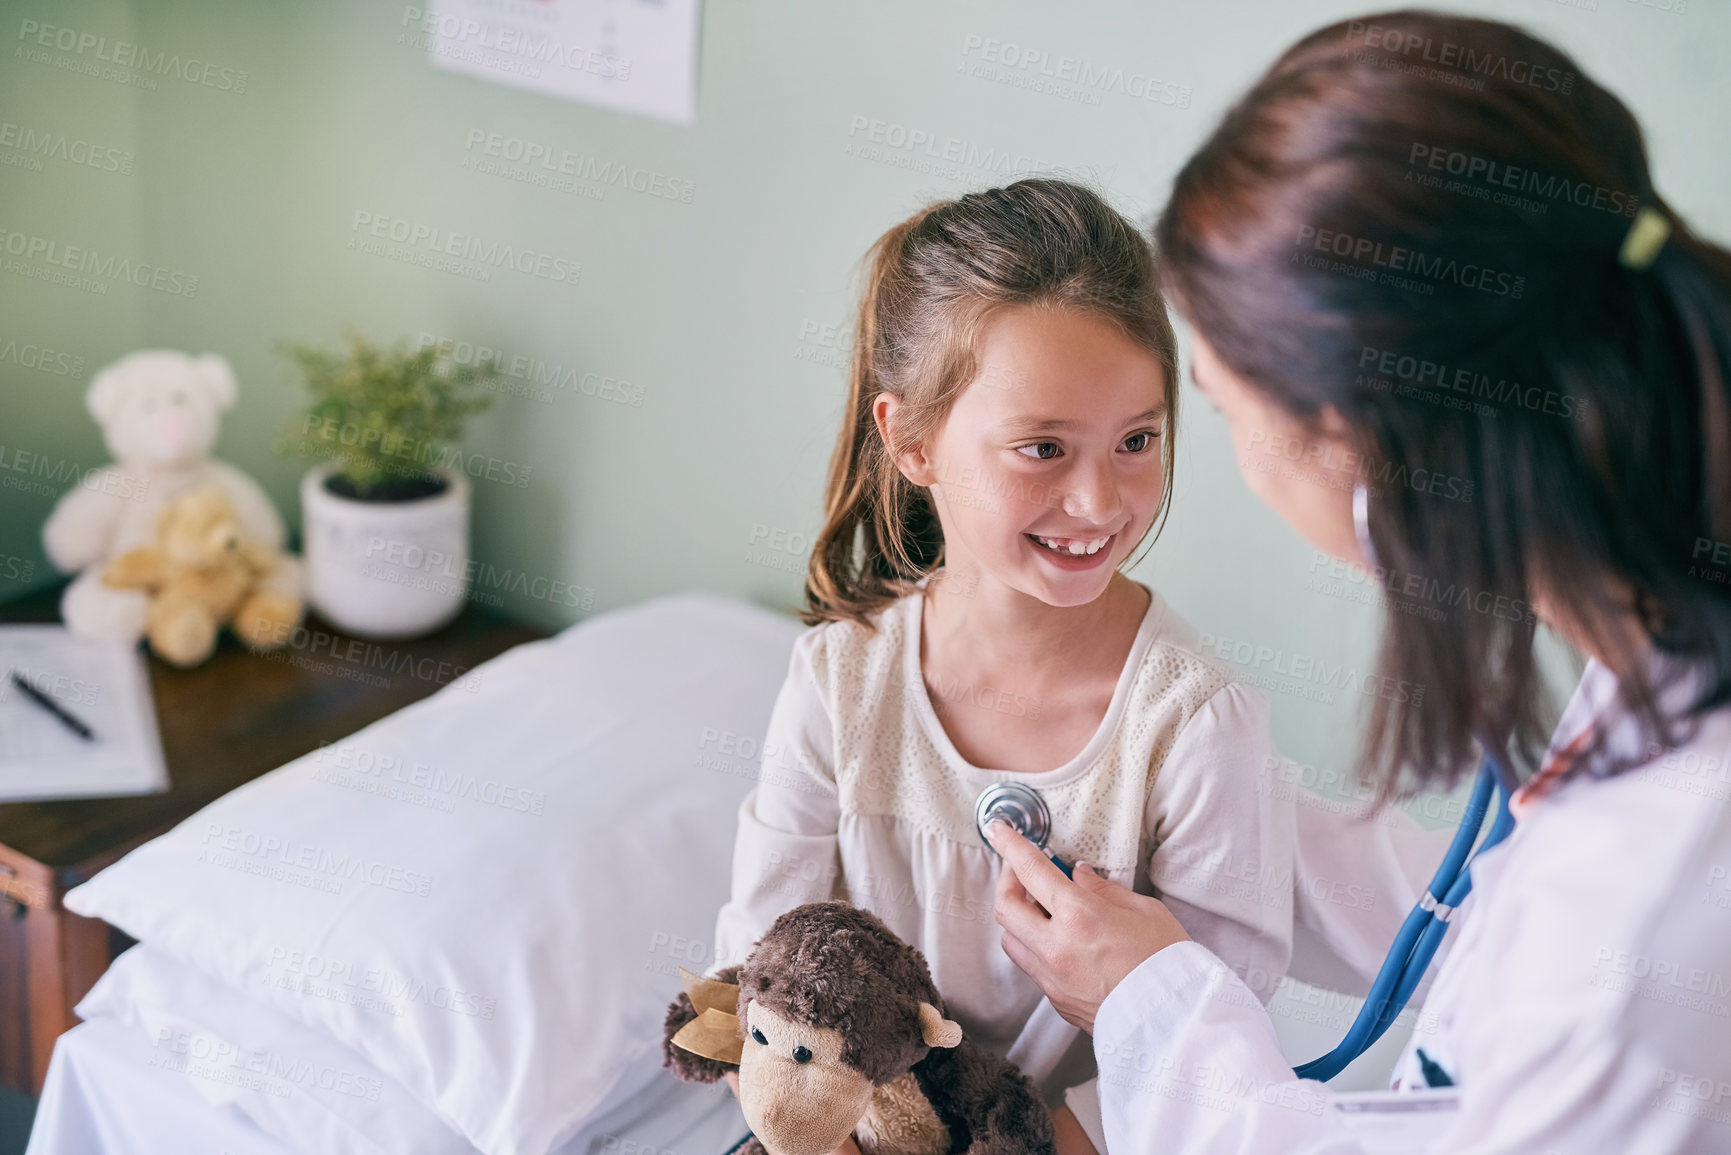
(1079, 939)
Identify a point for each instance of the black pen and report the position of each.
(53, 707)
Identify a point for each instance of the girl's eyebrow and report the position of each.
(1038, 424)
(1055, 424)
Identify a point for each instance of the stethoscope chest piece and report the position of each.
(1020, 806)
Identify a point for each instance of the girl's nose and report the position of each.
(1093, 494)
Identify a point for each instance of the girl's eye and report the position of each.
(757, 1035)
(1044, 450)
(1137, 442)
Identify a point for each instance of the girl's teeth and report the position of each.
(1075, 548)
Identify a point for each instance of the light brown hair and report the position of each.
(931, 284)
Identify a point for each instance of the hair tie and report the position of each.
(1645, 238)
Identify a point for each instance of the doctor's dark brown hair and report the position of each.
(1420, 221)
(931, 285)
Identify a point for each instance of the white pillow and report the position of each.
(489, 893)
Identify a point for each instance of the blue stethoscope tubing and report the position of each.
(1422, 933)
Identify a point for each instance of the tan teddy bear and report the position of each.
(203, 573)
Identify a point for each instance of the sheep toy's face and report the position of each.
(827, 1023)
(798, 1095)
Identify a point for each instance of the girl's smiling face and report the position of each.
(1047, 471)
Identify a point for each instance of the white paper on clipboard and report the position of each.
(103, 685)
(1397, 1122)
(632, 55)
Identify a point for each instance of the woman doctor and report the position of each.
(1424, 255)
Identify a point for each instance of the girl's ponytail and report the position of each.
(859, 562)
(930, 283)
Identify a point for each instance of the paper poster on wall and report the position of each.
(631, 55)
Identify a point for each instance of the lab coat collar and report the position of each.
(1597, 703)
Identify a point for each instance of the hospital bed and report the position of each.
(105, 1098)
(458, 930)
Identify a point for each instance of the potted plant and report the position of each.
(385, 516)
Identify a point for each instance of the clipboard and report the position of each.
(104, 686)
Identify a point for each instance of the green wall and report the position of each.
(54, 337)
(709, 317)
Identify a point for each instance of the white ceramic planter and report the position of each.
(386, 569)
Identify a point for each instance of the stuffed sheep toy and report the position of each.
(835, 1029)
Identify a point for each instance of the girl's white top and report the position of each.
(862, 796)
(1585, 1007)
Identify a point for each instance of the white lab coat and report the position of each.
(1586, 1006)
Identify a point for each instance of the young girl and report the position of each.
(1007, 448)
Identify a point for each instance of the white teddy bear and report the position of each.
(158, 410)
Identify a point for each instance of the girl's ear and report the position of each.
(912, 462)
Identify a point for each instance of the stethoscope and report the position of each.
(1420, 936)
(1422, 933)
(1023, 809)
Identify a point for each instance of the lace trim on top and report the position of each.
(893, 759)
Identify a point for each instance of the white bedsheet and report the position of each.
(104, 1096)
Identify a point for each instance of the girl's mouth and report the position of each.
(1073, 553)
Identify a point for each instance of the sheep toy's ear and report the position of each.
(936, 1030)
(714, 1033)
(701, 1041)
(218, 377)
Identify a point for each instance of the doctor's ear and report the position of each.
(912, 462)
(1329, 423)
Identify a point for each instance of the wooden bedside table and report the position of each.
(223, 724)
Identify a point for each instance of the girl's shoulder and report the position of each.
(1174, 634)
(1183, 663)
(847, 654)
